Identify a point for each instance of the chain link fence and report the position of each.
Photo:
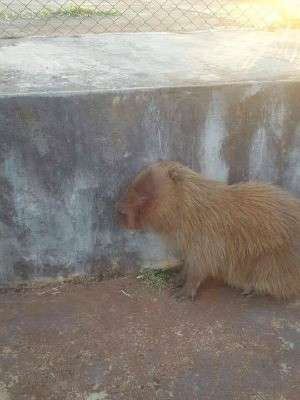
(61, 17)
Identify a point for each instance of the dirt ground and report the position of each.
(121, 339)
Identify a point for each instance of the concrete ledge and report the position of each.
(73, 134)
(146, 60)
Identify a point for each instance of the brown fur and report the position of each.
(247, 234)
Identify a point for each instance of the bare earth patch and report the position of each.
(125, 339)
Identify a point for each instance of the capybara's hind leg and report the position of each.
(277, 276)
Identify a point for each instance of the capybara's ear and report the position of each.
(174, 174)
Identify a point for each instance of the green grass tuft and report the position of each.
(4, 16)
(156, 278)
(78, 11)
(64, 11)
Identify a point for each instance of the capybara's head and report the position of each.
(151, 200)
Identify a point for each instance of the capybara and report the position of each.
(246, 234)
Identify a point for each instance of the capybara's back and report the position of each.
(248, 234)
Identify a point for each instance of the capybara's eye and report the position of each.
(122, 212)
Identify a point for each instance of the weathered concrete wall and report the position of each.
(65, 158)
(80, 116)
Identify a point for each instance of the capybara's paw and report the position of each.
(185, 293)
(248, 292)
(179, 279)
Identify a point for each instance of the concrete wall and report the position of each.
(64, 159)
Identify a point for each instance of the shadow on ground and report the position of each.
(120, 339)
